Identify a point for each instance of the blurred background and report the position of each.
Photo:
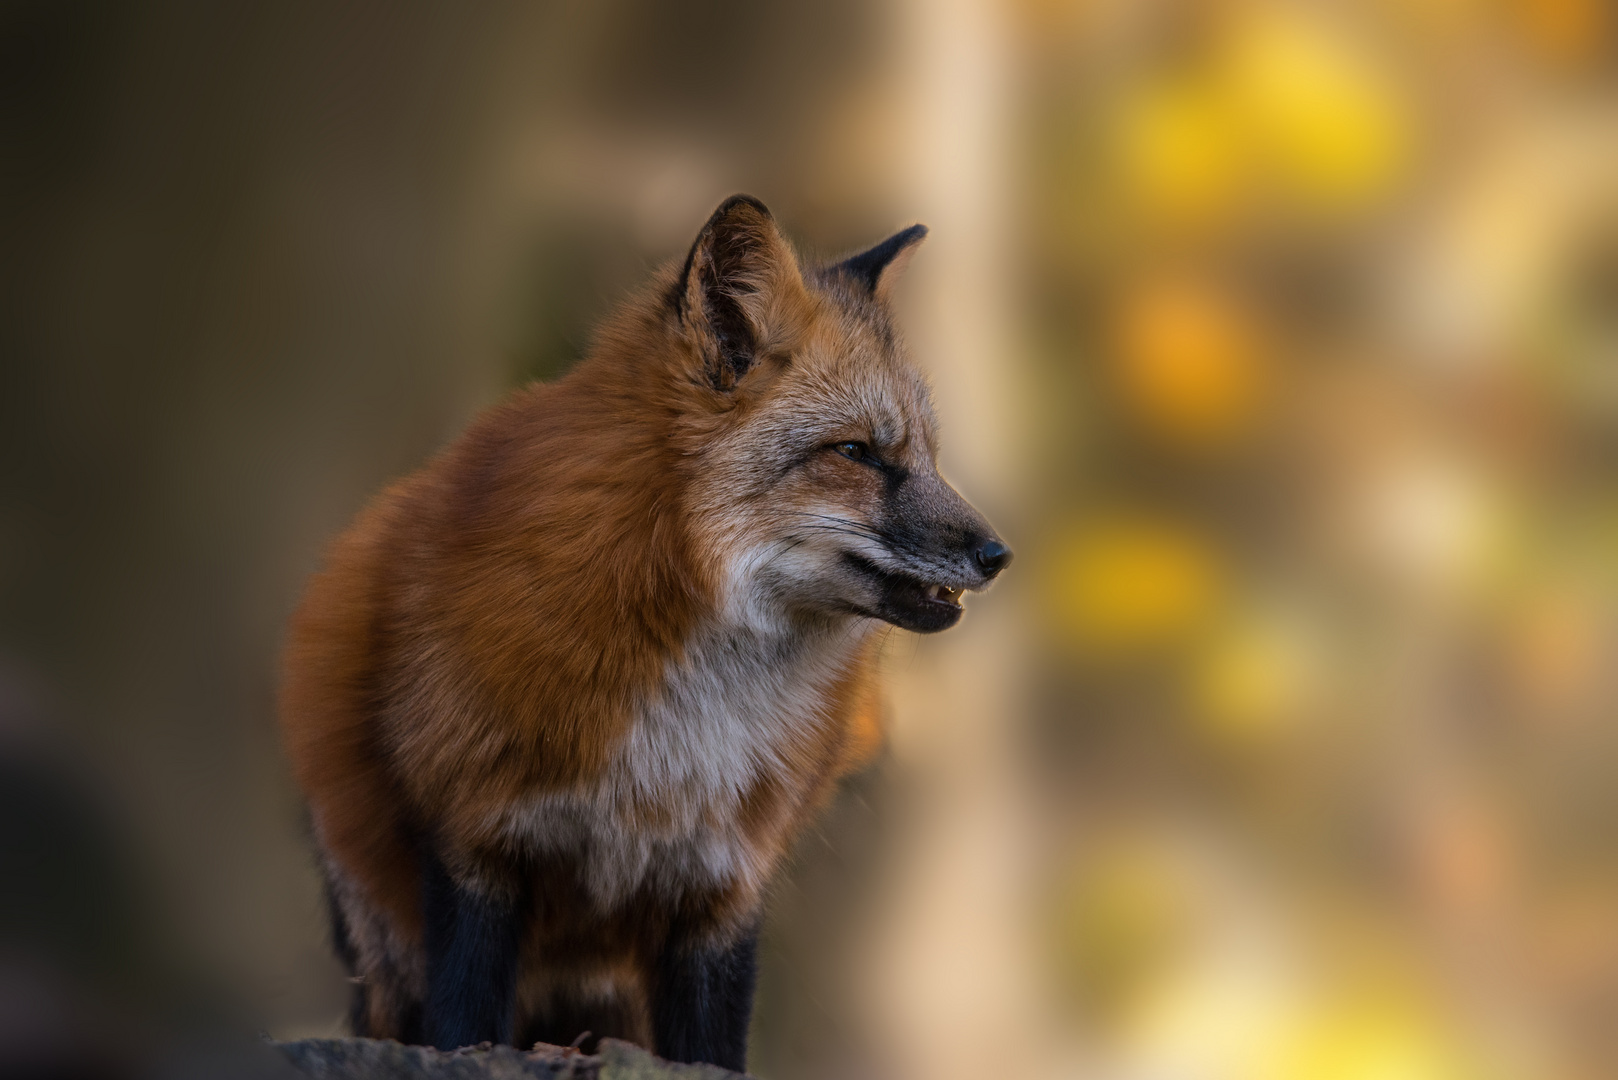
(1279, 338)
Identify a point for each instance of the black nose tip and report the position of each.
(993, 556)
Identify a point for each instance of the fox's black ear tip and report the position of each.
(867, 266)
(735, 202)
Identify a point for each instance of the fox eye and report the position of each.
(853, 451)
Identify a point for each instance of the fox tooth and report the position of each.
(932, 592)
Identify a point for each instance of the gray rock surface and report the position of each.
(373, 1059)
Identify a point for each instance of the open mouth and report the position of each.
(909, 602)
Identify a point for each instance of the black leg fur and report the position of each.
(703, 1002)
(343, 945)
(472, 943)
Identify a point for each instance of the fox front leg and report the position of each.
(703, 1000)
(472, 939)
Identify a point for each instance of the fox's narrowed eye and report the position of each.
(853, 451)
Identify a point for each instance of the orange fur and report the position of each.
(492, 629)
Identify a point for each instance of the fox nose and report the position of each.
(992, 556)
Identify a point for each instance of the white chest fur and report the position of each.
(665, 814)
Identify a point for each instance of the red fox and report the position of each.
(560, 700)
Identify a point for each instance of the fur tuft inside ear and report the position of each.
(877, 268)
(735, 261)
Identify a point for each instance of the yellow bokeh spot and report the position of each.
(1181, 156)
(1283, 106)
(1324, 120)
(1130, 583)
(1253, 680)
(1190, 360)
(1371, 1041)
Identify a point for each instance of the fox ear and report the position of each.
(738, 261)
(877, 269)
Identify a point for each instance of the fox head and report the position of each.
(815, 471)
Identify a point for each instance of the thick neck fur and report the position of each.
(575, 556)
(742, 690)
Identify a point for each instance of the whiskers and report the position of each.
(845, 526)
(911, 559)
(883, 549)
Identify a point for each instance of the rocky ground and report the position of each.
(371, 1059)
